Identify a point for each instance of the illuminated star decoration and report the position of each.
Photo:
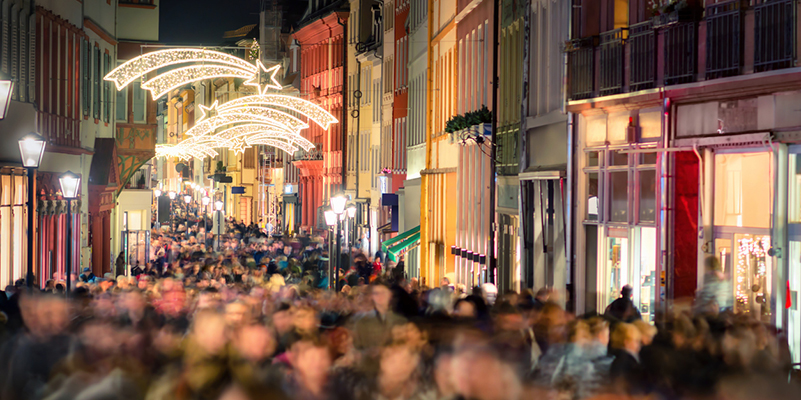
(200, 64)
(263, 118)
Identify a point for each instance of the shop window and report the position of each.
(648, 158)
(794, 198)
(593, 184)
(618, 188)
(619, 159)
(617, 268)
(593, 159)
(743, 189)
(647, 192)
(751, 272)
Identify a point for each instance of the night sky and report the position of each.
(196, 22)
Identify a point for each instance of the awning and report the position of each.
(399, 245)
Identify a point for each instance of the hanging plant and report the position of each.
(471, 118)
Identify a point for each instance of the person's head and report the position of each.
(254, 342)
(311, 359)
(712, 264)
(627, 337)
(398, 362)
(626, 292)
(647, 331)
(542, 295)
(208, 331)
(381, 297)
(464, 309)
(444, 281)
(305, 320)
(578, 332)
(237, 313)
(599, 330)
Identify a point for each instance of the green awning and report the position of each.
(385, 245)
(399, 245)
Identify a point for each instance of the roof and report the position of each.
(241, 32)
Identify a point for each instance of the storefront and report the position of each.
(618, 195)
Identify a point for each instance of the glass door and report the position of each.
(748, 268)
(794, 315)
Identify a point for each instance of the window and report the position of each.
(122, 105)
(86, 94)
(106, 89)
(96, 87)
(139, 102)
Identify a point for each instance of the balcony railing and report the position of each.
(612, 61)
(774, 34)
(681, 49)
(642, 44)
(582, 68)
(724, 35)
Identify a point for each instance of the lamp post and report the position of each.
(172, 196)
(31, 148)
(205, 201)
(351, 215)
(332, 220)
(218, 206)
(338, 204)
(6, 90)
(70, 184)
(157, 195)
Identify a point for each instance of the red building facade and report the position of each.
(321, 37)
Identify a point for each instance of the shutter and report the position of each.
(96, 94)
(22, 91)
(31, 54)
(106, 90)
(86, 95)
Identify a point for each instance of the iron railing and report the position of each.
(581, 58)
(642, 56)
(724, 34)
(774, 34)
(612, 61)
(681, 55)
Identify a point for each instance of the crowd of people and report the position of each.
(253, 320)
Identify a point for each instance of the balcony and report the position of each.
(735, 37)
(612, 61)
(724, 38)
(642, 44)
(581, 57)
(681, 52)
(774, 35)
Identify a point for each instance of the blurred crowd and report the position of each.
(253, 320)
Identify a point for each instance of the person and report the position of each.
(626, 372)
(713, 296)
(119, 265)
(374, 328)
(87, 276)
(623, 309)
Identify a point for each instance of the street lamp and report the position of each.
(157, 193)
(218, 205)
(31, 149)
(338, 203)
(70, 184)
(351, 211)
(187, 199)
(6, 89)
(172, 195)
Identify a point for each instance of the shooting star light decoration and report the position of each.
(268, 119)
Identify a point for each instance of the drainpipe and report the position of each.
(425, 177)
(493, 263)
(344, 119)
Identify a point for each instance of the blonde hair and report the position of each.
(623, 333)
(646, 329)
